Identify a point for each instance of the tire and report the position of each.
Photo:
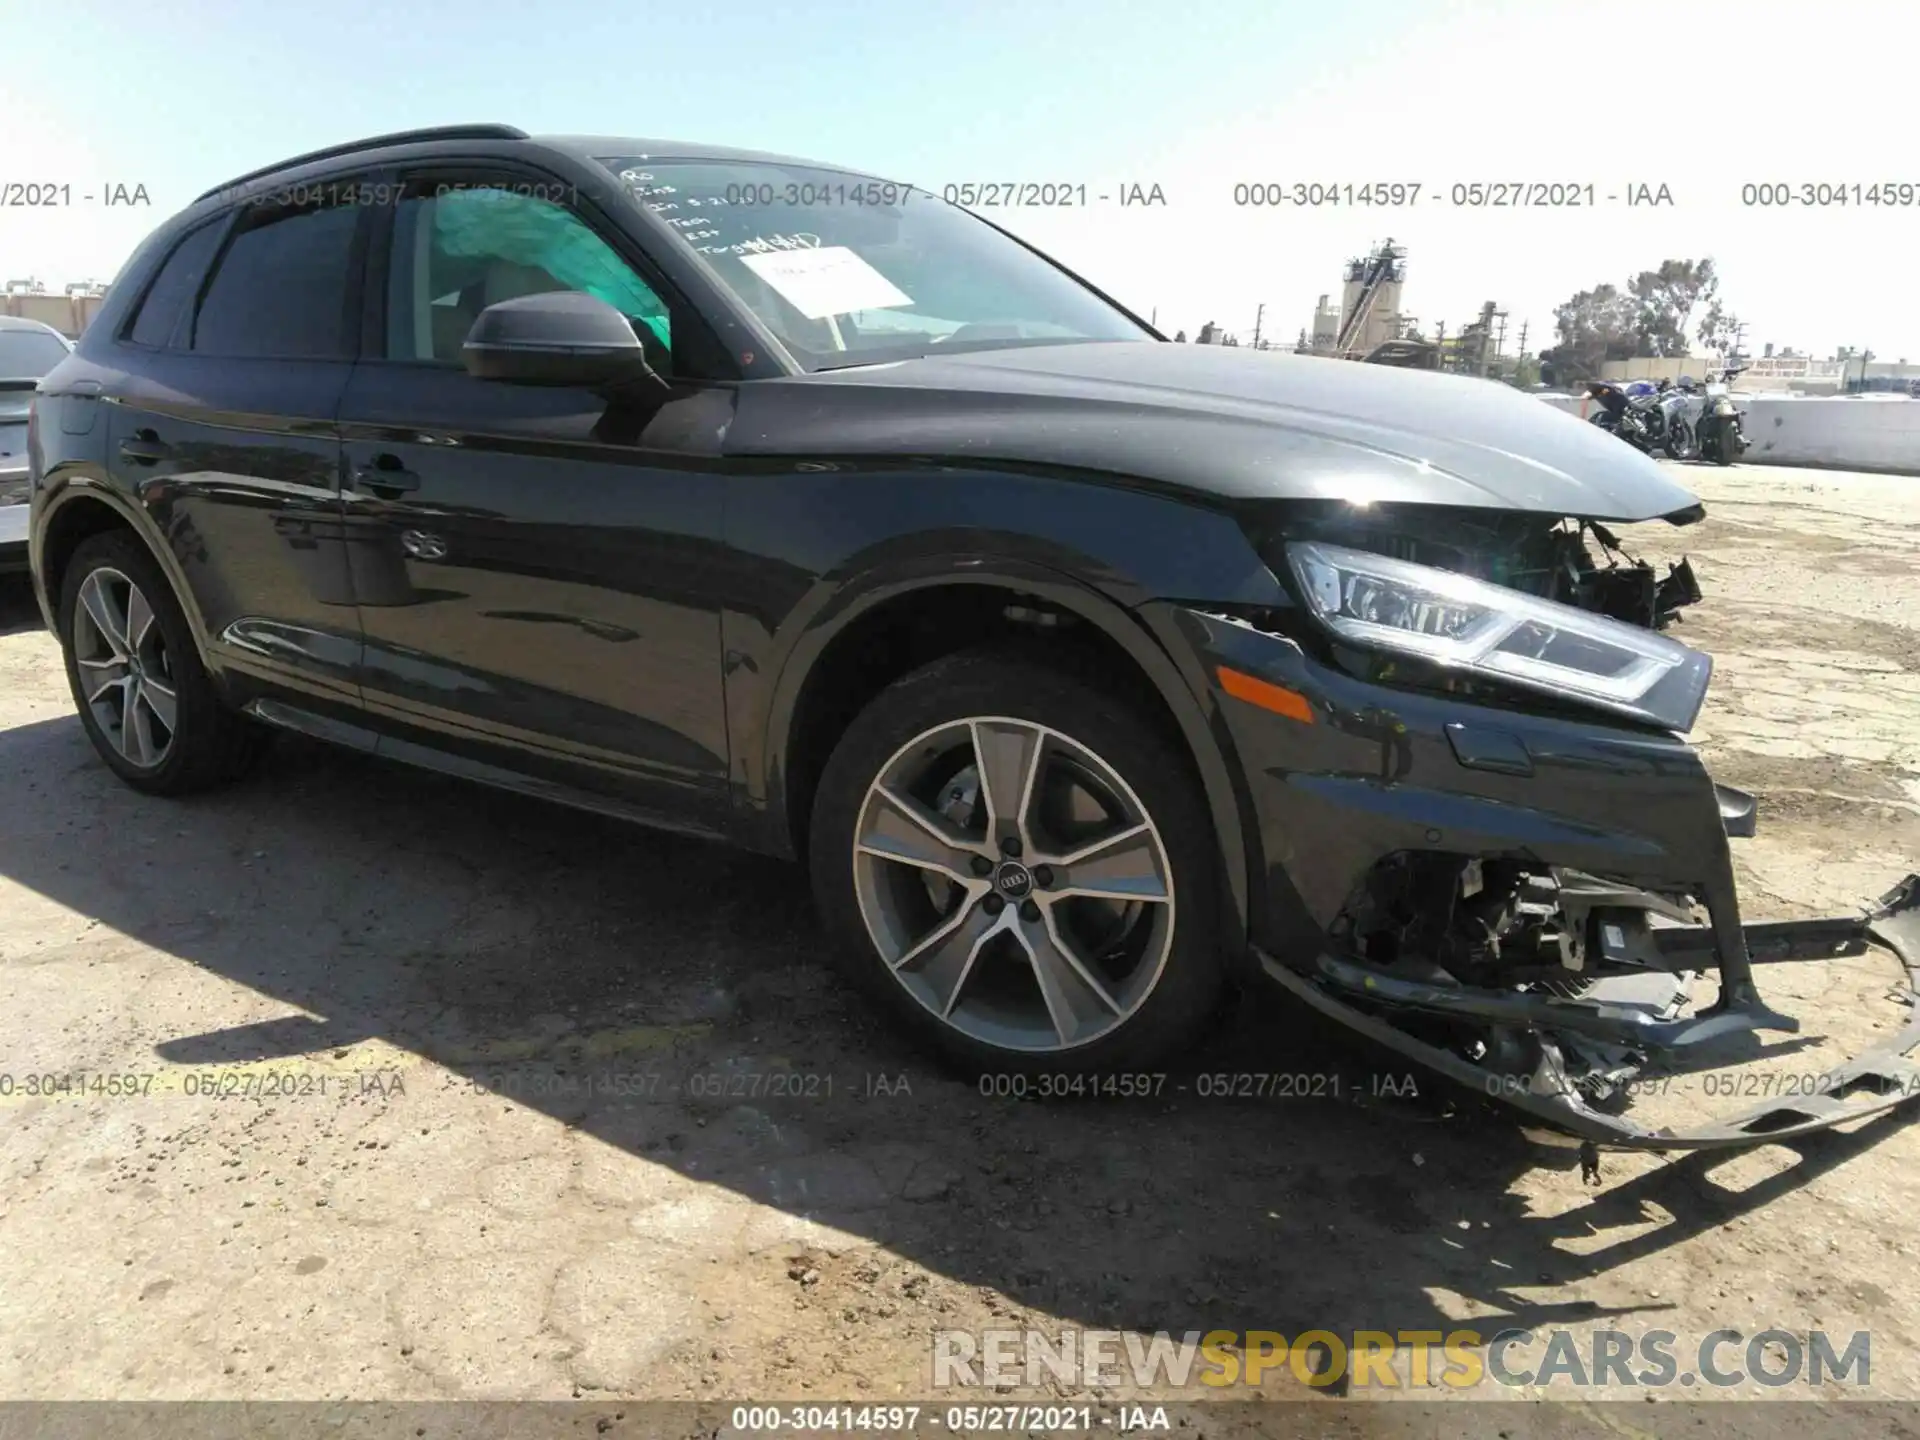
(1128, 1003)
(1681, 443)
(1732, 443)
(206, 744)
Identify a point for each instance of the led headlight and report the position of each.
(1468, 624)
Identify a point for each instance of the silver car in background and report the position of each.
(28, 350)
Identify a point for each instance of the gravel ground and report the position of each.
(442, 1094)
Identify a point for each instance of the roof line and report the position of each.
(374, 142)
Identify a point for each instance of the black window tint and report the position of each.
(173, 287)
(281, 287)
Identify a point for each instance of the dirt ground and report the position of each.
(442, 1094)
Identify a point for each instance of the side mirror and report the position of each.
(559, 337)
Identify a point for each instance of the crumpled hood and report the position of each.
(1237, 423)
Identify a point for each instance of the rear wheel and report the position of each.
(1020, 869)
(143, 696)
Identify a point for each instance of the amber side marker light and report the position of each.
(1265, 694)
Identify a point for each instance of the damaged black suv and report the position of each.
(1090, 674)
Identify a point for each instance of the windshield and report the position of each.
(846, 270)
(29, 354)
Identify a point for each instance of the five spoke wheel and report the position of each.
(1014, 883)
(126, 678)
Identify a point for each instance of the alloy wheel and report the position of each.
(1014, 884)
(126, 677)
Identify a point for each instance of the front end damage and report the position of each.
(1512, 875)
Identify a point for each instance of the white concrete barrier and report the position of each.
(1863, 432)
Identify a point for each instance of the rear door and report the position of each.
(224, 426)
(539, 576)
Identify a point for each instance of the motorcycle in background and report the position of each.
(1686, 420)
(1721, 438)
(1682, 405)
(1634, 418)
(1702, 421)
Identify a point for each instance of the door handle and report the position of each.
(145, 448)
(385, 475)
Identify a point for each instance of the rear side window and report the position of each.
(172, 289)
(281, 289)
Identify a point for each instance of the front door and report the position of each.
(536, 575)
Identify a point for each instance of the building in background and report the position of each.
(69, 312)
(1326, 327)
(1369, 314)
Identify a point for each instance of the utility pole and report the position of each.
(1258, 316)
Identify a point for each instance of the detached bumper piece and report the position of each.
(1363, 999)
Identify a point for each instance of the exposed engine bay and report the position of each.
(1545, 986)
(1555, 935)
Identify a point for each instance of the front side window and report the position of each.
(281, 289)
(852, 271)
(459, 248)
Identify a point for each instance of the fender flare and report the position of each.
(840, 608)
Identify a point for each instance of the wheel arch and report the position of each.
(822, 682)
(80, 511)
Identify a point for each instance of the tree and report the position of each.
(1666, 299)
(1180, 336)
(1719, 327)
(1595, 326)
(1651, 317)
(1209, 334)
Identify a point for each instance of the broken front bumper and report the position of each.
(1876, 1080)
(1341, 773)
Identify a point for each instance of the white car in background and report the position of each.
(28, 350)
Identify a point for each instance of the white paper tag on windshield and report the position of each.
(831, 280)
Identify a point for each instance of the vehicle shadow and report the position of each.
(508, 940)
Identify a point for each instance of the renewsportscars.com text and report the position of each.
(1408, 1359)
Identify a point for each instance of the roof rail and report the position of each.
(374, 142)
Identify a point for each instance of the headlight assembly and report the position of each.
(1466, 624)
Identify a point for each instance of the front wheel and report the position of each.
(1681, 444)
(1021, 869)
(144, 698)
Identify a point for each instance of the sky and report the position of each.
(1194, 98)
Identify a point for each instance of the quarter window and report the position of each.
(172, 289)
(281, 290)
(459, 248)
